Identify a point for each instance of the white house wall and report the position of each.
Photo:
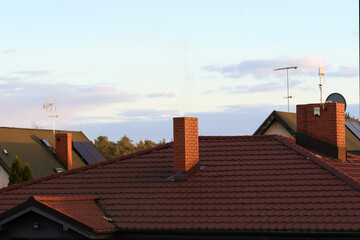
(4, 178)
(277, 128)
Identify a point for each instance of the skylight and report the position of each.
(58, 170)
(46, 143)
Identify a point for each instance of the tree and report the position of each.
(142, 145)
(125, 145)
(27, 173)
(104, 146)
(15, 172)
(348, 116)
(161, 142)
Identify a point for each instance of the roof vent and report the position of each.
(5, 152)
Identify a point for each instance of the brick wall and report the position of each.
(186, 144)
(64, 149)
(328, 127)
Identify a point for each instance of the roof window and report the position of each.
(58, 170)
(46, 143)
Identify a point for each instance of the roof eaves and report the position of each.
(333, 170)
(86, 167)
(232, 233)
(266, 124)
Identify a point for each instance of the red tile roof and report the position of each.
(80, 211)
(246, 183)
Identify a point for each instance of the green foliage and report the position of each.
(15, 172)
(105, 147)
(348, 116)
(142, 145)
(162, 141)
(124, 146)
(18, 174)
(27, 173)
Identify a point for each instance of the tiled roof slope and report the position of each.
(81, 209)
(247, 183)
(351, 167)
(82, 212)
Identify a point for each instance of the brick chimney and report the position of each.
(186, 145)
(64, 149)
(322, 129)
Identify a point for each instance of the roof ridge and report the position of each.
(86, 167)
(65, 198)
(39, 129)
(309, 155)
(234, 136)
(352, 120)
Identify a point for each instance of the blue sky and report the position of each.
(128, 67)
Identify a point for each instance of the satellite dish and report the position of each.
(336, 98)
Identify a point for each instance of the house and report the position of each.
(198, 187)
(36, 147)
(284, 123)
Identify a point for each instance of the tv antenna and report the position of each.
(322, 77)
(287, 78)
(50, 106)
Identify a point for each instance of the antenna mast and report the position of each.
(287, 77)
(321, 74)
(51, 107)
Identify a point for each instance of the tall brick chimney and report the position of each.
(186, 145)
(322, 129)
(64, 149)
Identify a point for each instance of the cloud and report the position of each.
(139, 114)
(344, 72)
(227, 120)
(262, 87)
(22, 100)
(263, 68)
(8, 51)
(208, 91)
(160, 95)
(266, 87)
(32, 73)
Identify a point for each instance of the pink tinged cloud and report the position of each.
(27, 98)
(345, 72)
(8, 51)
(263, 68)
(160, 95)
(32, 73)
(265, 87)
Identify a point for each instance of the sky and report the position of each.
(120, 68)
